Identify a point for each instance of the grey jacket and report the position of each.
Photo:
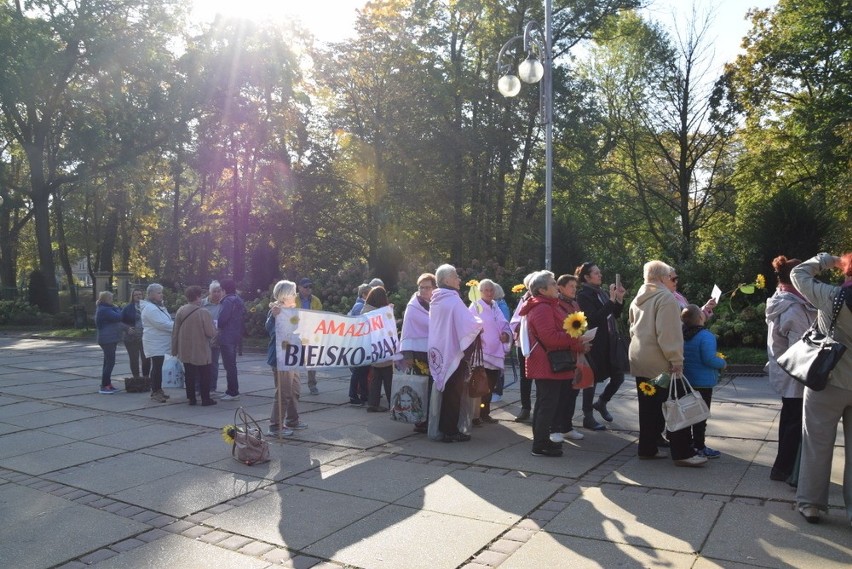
(787, 318)
(822, 296)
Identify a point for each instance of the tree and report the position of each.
(792, 86)
(670, 147)
(99, 99)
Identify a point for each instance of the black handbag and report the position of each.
(562, 360)
(810, 360)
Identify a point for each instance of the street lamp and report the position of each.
(531, 70)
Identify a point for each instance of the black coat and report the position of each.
(601, 355)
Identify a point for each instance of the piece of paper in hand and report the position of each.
(716, 294)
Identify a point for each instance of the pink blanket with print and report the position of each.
(452, 328)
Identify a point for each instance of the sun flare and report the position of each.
(328, 20)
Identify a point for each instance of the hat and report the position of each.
(306, 282)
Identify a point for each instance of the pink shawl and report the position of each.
(452, 328)
(415, 327)
(493, 324)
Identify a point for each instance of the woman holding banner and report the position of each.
(284, 419)
(382, 373)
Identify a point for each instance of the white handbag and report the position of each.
(682, 412)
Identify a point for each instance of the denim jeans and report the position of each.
(229, 360)
(109, 363)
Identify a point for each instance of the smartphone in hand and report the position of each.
(617, 281)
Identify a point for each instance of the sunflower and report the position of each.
(294, 320)
(472, 282)
(518, 288)
(422, 367)
(647, 388)
(575, 324)
(721, 355)
(228, 433)
(760, 281)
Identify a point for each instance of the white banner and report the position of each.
(310, 339)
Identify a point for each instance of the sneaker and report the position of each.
(297, 427)
(227, 397)
(573, 435)
(158, 397)
(556, 438)
(592, 425)
(547, 452)
(696, 460)
(600, 407)
(108, 390)
(495, 398)
(285, 432)
(163, 393)
(708, 452)
(314, 391)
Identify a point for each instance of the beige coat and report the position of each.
(656, 336)
(192, 334)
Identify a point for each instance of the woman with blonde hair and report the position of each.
(284, 419)
(109, 327)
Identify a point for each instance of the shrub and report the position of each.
(19, 312)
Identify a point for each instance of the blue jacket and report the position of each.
(701, 365)
(108, 324)
(231, 318)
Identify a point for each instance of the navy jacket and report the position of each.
(108, 324)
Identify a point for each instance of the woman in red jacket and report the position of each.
(544, 324)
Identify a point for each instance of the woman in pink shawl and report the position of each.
(496, 336)
(415, 336)
(452, 330)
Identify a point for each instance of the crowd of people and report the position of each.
(443, 340)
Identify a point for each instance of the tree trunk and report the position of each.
(62, 244)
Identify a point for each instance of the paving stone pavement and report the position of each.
(120, 481)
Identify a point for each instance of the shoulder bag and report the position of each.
(686, 410)
(810, 360)
(249, 446)
(478, 386)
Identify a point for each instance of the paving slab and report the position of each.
(56, 416)
(23, 441)
(643, 520)
(116, 473)
(779, 538)
(551, 550)
(183, 552)
(97, 426)
(58, 457)
(481, 496)
(48, 530)
(145, 436)
(382, 540)
(194, 489)
(718, 476)
(287, 460)
(294, 516)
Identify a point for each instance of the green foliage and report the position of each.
(19, 312)
(739, 319)
(255, 318)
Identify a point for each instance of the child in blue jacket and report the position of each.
(701, 366)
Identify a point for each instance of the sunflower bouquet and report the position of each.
(575, 324)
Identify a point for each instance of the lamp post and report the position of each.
(531, 70)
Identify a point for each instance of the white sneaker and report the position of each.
(556, 438)
(227, 397)
(696, 460)
(574, 435)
